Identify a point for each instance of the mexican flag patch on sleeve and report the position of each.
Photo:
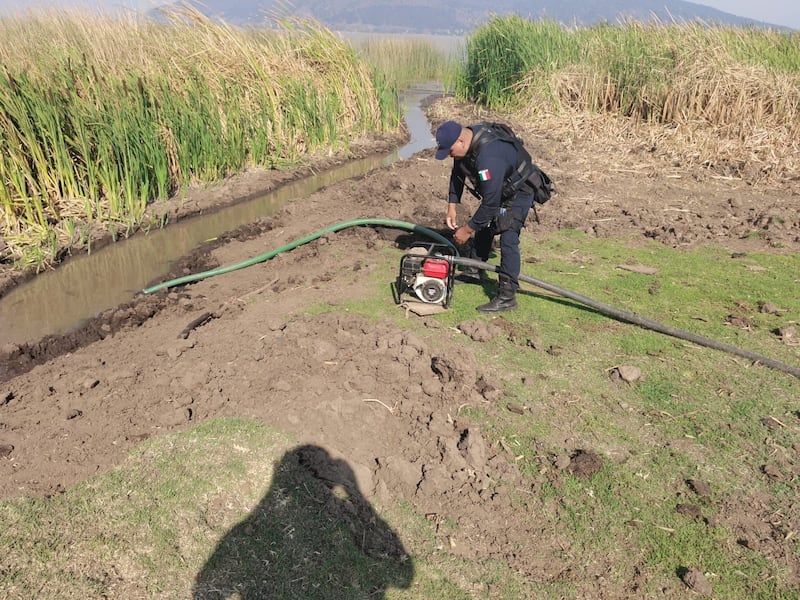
(484, 175)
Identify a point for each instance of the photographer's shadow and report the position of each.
(313, 535)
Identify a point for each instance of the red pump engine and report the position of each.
(427, 276)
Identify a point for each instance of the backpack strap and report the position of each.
(482, 134)
(526, 175)
(479, 140)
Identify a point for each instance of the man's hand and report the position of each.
(463, 234)
(450, 219)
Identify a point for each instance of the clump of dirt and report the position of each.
(584, 463)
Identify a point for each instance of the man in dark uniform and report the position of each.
(487, 170)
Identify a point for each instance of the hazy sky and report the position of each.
(777, 12)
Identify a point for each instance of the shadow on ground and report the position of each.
(313, 535)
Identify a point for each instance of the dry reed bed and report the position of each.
(724, 98)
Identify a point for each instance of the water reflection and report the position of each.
(58, 301)
(419, 128)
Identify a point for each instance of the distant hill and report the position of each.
(457, 17)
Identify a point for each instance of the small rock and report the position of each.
(431, 386)
(788, 334)
(9, 350)
(281, 385)
(6, 450)
(276, 324)
(643, 269)
(431, 324)
(534, 342)
(515, 408)
(562, 462)
(768, 308)
(144, 311)
(90, 383)
(488, 391)
(700, 488)
(629, 373)
(325, 351)
(740, 321)
(173, 418)
(771, 471)
(711, 520)
(195, 377)
(696, 581)
(478, 330)
(690, 510)
(74, 414)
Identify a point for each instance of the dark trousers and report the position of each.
(510, 259)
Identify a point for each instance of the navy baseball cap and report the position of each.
(446, 136)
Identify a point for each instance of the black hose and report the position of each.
(629, 317)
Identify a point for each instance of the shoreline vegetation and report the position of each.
(101, 116)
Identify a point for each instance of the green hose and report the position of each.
(309, 238)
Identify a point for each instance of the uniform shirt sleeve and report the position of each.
(456, 184)
(494, 162)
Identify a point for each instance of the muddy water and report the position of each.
(58, 301)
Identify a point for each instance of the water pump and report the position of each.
(426, 275)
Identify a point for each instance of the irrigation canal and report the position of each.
(58, 301)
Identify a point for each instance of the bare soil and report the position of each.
(383, 399)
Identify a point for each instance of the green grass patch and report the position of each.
(408, 61)
(221, 508)
(144, 529)
(696, 413)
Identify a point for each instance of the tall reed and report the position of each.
(508, 49)
(99, 115)
(409, 60)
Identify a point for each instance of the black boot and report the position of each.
(505, 298)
